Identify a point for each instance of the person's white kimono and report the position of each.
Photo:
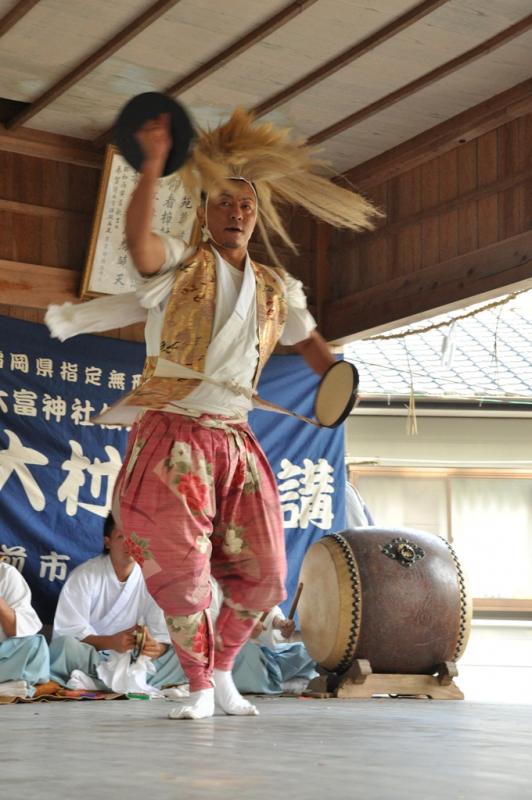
(231, 357)
(93, 602)
(24, 658)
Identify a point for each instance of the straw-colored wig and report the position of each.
(280, 169)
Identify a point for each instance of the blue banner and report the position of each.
(57, 469)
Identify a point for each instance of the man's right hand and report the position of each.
(146, 248)
(155, 141)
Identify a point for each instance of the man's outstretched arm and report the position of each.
(316, 352)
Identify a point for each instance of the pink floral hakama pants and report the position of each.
(197, 496)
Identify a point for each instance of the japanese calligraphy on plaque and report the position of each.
(108, 268)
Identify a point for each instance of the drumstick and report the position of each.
(295, 602)
(292, 609)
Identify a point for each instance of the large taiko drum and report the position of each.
(397, 598)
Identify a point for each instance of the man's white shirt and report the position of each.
(93, 602)
(233, 351)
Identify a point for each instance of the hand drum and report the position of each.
(147, 106)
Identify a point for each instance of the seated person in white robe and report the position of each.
(24, 658)
(269, 663)
(98, 610)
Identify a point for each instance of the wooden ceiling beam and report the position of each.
(476, 121)
(91, 62)
(501, 38)
(348, 56)
(18, 11)
(227, 54)
(252, 38)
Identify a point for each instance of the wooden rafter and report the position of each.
(424, 80)
(240, 46)
(18, 11)
(91, 62)
(226, 55)
(468, 125)
(349, 55)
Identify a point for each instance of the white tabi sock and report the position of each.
(200, 706)
(229, 698)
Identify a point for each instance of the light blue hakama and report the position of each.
(261, 670)
(68, 654)
(25, 658)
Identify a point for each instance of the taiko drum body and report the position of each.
(395, 597)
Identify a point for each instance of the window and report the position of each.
(486, 514)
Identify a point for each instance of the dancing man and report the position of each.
(196, 494)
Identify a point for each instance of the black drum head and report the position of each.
(139, 110)
(337, 394)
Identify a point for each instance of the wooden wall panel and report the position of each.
(46, 209)
(50, 241)
(430, 227)
(448, 183)
(511, 160)
(48, 183)
(455, 204)
(344, 258)
(488, 215)
(374, 256)
(404, 201)
(467, 183)
(20, 312)
(399, 300)
(527, 184)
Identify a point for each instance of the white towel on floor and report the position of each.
(14, 689)
(123, 676)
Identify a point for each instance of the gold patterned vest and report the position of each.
(188, 324)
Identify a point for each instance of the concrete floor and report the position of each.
(383, 748)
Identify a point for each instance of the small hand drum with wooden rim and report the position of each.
(336, 394)
(145, 107)
(140, 640)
